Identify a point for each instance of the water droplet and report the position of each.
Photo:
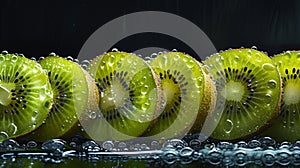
(272, 84)
(268, 67)
(108, 145)
(31, 144)
(14, 58)
(174, 143)
(155, 145)
(90, 146)
(12, 128)
(54, 144)
(4, 52)
(228, 126)
(52, 54)
(268, 158)
(254, 47)
(114, 50)
(170, 157)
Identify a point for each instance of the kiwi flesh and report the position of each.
(287, 126)
(25, 95)
(71, 97)
(250, 84)
(189, 94)
(129, 97)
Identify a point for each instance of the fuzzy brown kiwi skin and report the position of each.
(208, 101)
(160, 99)
(92, 104)
(273, 118)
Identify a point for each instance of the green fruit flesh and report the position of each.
(183, 84)
(70, 92)
(250, 84)
(129, 97)
(287, 126)
(25, 96)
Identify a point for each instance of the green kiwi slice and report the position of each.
(250, 84)
(129, 97)
(25, 95)
(189, 95)
(70, 98)
(287, 126)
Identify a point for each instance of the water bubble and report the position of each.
(4, 52)
(195, 144)
(240, 158)
(254, 47)
(174, 143)
(115, 50)
(70, 58)
(186, 155)
(109, 145)
(11, 144)
(52, 54)
(12, 128)
(254, 144)
(283, 158)
(272, 83)
(225, 145)
(90, 146)
(170, 157)
(3, 136)
(228, 126)
(31, 144)
(54, 144)
(14, 58)
(268, 158)
(215, 157)
(155, 145)
(268, 67)
(2, 58)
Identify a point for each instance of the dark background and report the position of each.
(36, 28)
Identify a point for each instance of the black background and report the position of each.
(36, 28)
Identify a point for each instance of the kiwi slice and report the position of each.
(250, 85)
(129, 97)
(71, 97)
(287, 126)
(189, 94)
(25, 95)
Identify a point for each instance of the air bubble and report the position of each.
(54, 144)
(52, 54)
(90, 146)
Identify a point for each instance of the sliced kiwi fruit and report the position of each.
(25, 95)
(189, 94)
(287, 126)
(71, 97)
(250, 84)
(130, 97)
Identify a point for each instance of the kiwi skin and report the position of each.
(208, 103)
(273, 115)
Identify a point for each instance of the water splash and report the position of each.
(260, 151)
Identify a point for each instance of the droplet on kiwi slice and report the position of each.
(130, 97)
(250, 84)
(189, 94)
(287, 126)
(25, 95)
(72, 96)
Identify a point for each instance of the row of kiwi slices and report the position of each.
(231, 95)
